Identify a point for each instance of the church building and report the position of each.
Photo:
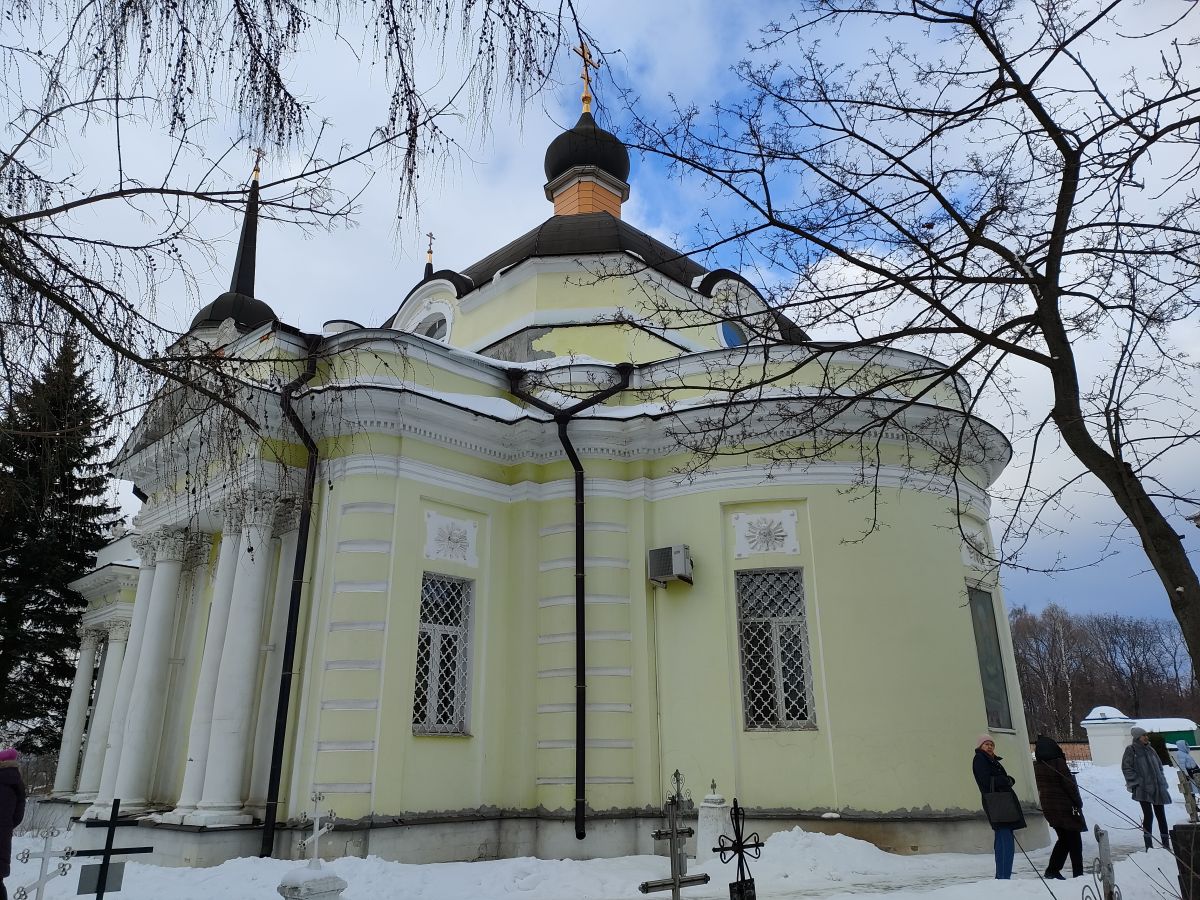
(458, 575)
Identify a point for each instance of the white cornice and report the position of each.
(621, 433)
(107, 615)
(105, 580)
(666, 488)
(198, 512)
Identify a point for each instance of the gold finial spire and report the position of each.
(429, 249)
(585, 54)
(258, 158)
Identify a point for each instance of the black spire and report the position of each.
(239, 303)
(242, 281)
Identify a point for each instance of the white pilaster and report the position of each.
(102, 710)
(264, 732)
(81, 690)
(111, 756)
(229, 741)
(210, 662)
(143, 722)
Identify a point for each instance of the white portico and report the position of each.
(191, 617)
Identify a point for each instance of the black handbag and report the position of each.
(1002, 807)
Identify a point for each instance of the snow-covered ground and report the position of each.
(793, 864)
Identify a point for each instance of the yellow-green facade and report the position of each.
(417, 433)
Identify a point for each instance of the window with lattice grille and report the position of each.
(773, 637)
(440, 694)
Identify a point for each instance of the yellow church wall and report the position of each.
(656, 651)
(612, 343)
(854, 703)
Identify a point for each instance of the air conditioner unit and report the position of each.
(665, 564)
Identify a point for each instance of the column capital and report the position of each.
(232, 510)
(119, 630)
(89, 637)
(258, 508)
(171, 545)
(287, 515)
(196, 554)
(145, 547)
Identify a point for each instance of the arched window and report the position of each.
(434, 326)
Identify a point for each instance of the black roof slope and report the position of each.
(588, 234)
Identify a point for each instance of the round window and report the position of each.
(732, 334)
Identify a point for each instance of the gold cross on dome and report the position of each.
(585, 54)
(429, 249)
(258, 158)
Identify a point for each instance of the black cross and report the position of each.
(109, 851)
(741, 847)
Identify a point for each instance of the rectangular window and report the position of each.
(443, 678)
(773, 638)
(991, 664)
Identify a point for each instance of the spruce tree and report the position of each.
(53, 519)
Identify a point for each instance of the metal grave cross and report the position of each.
(45, 855)
(314, 839)
(678, 853)
(741, 847)
(107, 876)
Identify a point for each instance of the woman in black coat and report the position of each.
(991, 778)
(12, 810)
(1062, 806)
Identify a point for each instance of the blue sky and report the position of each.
(492, 192)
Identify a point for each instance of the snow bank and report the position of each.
(794, 864)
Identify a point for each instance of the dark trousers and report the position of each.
(1069, 843)
(1152, 811)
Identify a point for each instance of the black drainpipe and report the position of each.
(561, 418)
(293, 623)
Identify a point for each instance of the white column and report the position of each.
(268, 704)
(229, 741)
(102, 709)
(144, 720)
(77, 706)
(210, 662)
(111, 757)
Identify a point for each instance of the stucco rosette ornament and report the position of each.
(450, 539)
(767, 532)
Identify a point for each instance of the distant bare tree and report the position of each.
(1069, 664)
(1005, 187)
(1050, 657)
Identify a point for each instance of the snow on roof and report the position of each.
(1167, 724)
(1100, 713)
(1112, 714)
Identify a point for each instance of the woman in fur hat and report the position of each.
(1144, 778)
(12, 810)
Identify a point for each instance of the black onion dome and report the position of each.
(247, 312)
(587, 144)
